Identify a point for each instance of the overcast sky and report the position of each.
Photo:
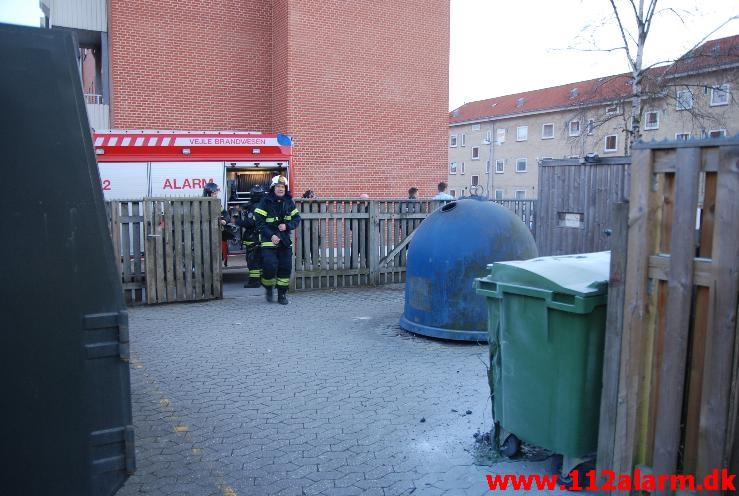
(499, 47)
(502, 47)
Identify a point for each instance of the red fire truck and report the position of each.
(138, 163)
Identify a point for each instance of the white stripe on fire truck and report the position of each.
(139, 142)
(98, 141)
(152, 142)
(113, 141)
(126, 141)
(165, 141)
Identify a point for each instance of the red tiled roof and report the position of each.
(601, 90)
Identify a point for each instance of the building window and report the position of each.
(684, 100)
(547, 131)
(462, 139)
(611, 143)
(453, 192)
(717, 133)
(682, 136)
(500, 136)
(498, 194)
(720, 95)
(453, 168)
(452, 141)
(520, 194)
(487, 167)
(475, 180)
(488, 136)
(574, 128)
(521, 164)
(613, 110)
(461, 168)
(499, 166)
(475, 127)
(651, 120)
(475, 153)
(522, 133)
(591, 127)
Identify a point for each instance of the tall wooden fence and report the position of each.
(671, 366)
(168, 248)
(576, 199)
(356, 242)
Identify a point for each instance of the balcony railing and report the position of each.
(92, 98)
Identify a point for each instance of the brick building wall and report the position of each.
(189, 64)
(362, 87)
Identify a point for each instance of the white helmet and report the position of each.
(278, 180)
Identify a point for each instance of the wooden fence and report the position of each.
(355, 242)
(671, 368)
(168, 248)
(576, 199)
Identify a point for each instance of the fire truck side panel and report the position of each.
(185, 179)
(124, 180)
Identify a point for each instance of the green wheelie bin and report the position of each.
(546, 325)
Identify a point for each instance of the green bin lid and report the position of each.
(580, 275)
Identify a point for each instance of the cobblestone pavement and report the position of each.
(326, 396)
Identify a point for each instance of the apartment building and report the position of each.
(496, 145)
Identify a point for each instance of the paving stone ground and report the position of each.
(239, 397)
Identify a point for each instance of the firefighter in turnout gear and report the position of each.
(250, 238)
(276, 216)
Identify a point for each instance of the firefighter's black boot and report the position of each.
(269, 295)
(282, 296)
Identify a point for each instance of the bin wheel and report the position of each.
(565, 480)
(511, 446)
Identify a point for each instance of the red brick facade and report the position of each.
(362, 87)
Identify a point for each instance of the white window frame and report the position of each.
(569, 128)
(525, 132)
(452, 141)
(496, 194)
(685, 136)
(543, 126)
(525, 163)
(500, 136)
(472, 180)
(452, 168)
(461, 168)
(680, 104)
(502, 163)
(591, 126)
(722, 133)
(605, 143)
(647, 127)
(463, 139)
(475, 156)
(613, 109)
(516, 192)
(476, 127)
(720, 90)
(489, 135)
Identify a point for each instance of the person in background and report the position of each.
(413, 193)
(442, 194)
(309, 194)
(211, 190)
(276, 216)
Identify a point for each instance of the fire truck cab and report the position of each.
(134, 164)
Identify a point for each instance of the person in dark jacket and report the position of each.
(250, 238)
(211, 190)
(276, 216)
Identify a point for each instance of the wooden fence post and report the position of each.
(373, 245)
